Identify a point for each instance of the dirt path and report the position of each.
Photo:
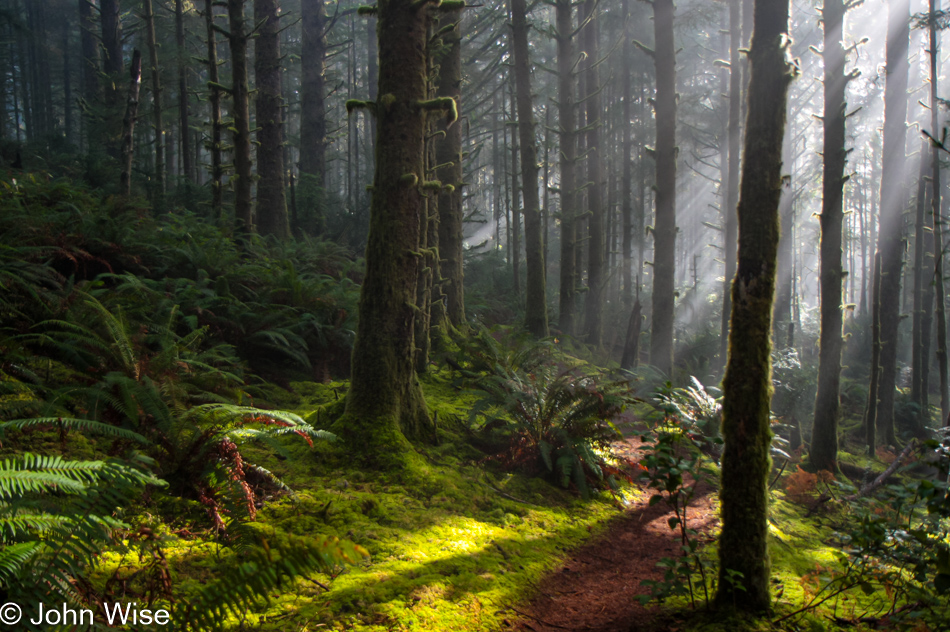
(596, 589)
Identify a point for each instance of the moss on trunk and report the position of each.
(237, 39)
(747, 386)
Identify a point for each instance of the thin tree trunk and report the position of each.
(596, 277)
(743, 542)
(918, 359)
(730, 220)
(111, 33)
(536, 316)
(664, 226)
(128, 123)
(156, 107)
(67, 90)
(824, 442)
(568, 150)
(870, 414)
(626, 242)
(515, 222)
(631, 347)
(237, 39)
(185, 130)
(271, 199)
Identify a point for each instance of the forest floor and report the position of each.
(598, 586)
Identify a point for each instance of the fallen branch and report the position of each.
(534, 618)
(886, 474)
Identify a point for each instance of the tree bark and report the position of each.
(237, 38)
(271, 198)
(159, 129)
(568, 149)
(870, 414)
(111, 33)
(449, 153)
(385, 401)
(626, 241)
(893, 200)
(313, 115)
(128, 123)
(536, 315)
(217, 170)
(186, 158)
(664, 225)
(747, 386)
(918, 356)
(824, 443)
(596, 278)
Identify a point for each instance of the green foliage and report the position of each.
(550, 421)
(55, 516)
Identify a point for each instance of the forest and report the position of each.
(474, 315)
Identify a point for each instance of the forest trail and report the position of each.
(596, 588)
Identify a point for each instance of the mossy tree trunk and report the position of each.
(237, 38)
(870, 411)
(730, 226)
(596, 278)
(449, 157)
(747, 386)
(313, 113)
(214, 102)
(664, 228)
(918, 361)
(824, 443)
(568, 150)
(128, 123)
(158, 127)
(271, 198)
(893, 200)
(536, 315)
(385, 402)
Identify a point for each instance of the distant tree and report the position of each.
(271, 199)
(747, 387)
(214, 103)
(237, 38)
(128, 123)
(731, 197)
(158, 127)
(183, 118)
(596, 258)
(313, 113)
(536, 315)
(568, 194)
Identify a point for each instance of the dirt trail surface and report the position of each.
(596, 589)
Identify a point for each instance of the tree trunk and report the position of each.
(385, 402)
(893, 200)
(664, 226)
(743, 542)
(237, 38)
(90, 70)
(156, 107)
(870, 414)
(941, 314)
(596, 278)
(626, 241)
(271, 198)
(824, 441)
(565, 109)
(730, 226)
(186, 157)
(918, 358)
(128, 123)
(111, 30)
(449, 154)
(217, 170)
(536, 316)
(631, 346)
(313, 114)
(515, 221)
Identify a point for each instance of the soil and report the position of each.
(596, 589)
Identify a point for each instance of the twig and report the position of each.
(510, 497)
(777, 476)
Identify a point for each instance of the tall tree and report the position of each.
(893, 200)
(566, 124)
(313, 113)
(731, 199)
(664, 226)
(90, 68)
(237, 39)
(271, 200)
(184, 125)
(536, 315)
(385, 402)
(159, 128)
(747, 386)
(449, 160)
(596, 277)
(214, 102)
(128, 123)
(111, 34)
(824, 444)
